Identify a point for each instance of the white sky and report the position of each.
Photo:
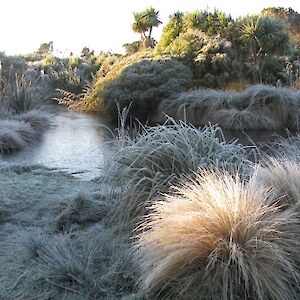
(100, 25)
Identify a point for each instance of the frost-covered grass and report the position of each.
(158, 156)
(217, 237)
(220, 234)
(257, 107)
(54, 241)
(19, 131)
(281, 172)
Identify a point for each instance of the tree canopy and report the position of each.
(144, 22)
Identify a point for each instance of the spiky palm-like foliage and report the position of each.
(215, 237)
(264, 36)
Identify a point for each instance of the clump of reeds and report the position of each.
(19, 96)
(217, 237)
(158, 156)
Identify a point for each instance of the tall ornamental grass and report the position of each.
(215, 236)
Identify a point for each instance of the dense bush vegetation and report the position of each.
(141, 86)
(221, 53)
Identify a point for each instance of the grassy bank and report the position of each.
(178, 214)
(258, 107)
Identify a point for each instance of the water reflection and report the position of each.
(75, 143)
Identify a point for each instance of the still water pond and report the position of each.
(76, 143)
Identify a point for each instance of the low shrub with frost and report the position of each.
(216, 237)
(159, 156)
(142, 85)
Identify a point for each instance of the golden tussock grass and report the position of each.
(215, 237)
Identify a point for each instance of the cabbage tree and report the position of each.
(264, 37)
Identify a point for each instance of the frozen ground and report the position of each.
(53, 238)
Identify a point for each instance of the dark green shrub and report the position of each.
(212, 60)
(142, 85)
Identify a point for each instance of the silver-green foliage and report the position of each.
(74, 265)
(258, 107)
(160, 155)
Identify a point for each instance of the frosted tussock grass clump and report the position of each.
(281, 172)
(14, 135)
(72, 265)
(22, 130)
(157, 157)
(215, 237)
(258, 107)
(245, 119)
(39, 120)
